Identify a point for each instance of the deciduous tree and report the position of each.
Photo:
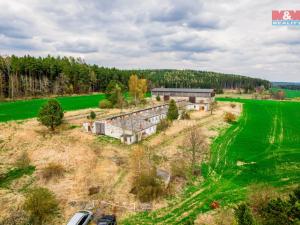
(213, 106)
(195, 145)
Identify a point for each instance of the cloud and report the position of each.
(226, 36)
(77, 46)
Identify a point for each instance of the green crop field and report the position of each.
(289, 93)
(19, 110)
(262, 147)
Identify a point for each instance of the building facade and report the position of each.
(134, 126)
(200, 98)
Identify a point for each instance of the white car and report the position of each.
(81, 218)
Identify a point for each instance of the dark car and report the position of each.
(107, 220)
(81, 218)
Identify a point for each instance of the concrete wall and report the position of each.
(113, 131)
(198, 99)
(157, 119)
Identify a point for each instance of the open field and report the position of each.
(262, 147)
(19, 110)
(25, 109)
(90, 161)
(289, 93)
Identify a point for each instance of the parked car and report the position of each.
(107, 220)
(81, 218)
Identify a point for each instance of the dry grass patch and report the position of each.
(23, 160)
(53, 170)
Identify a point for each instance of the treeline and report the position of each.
(29, 76)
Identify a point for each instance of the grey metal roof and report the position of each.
(191, 90)
(136, 111)
(132, 123)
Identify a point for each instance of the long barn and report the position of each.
(202, 98)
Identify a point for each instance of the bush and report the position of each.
(41, 206)
(23, 160)
(53, 170)
(105, 104)
(179, 168)
(158, 98)
(232, 105)
(219, 91)
(185, 115)
(51, 114)
(243, 215)
(148, 186)
(16, 217)
(143, 101)
(282, 211)
(163, 125)
(92, 115)
(229, 117)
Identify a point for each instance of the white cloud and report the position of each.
(232, 37)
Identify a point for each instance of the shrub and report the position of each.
(282, 211)
(51, 114)
(243, 215)
(23, 160)
(229, 117)
(92, 115)
(259, 196)
(148, 186)
(105, 104)
(143, 101)
(185, 115)
(53, 170)
(179, 168)
(172, 111)
(232, 105)
(40, 205)
(16, 217)
(163, 125)
(158, 98)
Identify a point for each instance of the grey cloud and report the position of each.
(163, 34)
(78, 46)
(13, 32)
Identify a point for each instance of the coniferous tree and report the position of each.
(172, 111)
(51, 114)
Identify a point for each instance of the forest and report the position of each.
(29, 76)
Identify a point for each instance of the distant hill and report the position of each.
(29, 76)
(287, 85)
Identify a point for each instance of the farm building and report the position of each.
(200, 98)
(130, 127)
(134, 126)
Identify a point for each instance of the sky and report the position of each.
(229, 36)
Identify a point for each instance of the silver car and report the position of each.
(81, 218)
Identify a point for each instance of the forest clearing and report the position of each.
(262, 147)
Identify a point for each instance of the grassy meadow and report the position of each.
(262, 147)
(24, 109)
(289, 93)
